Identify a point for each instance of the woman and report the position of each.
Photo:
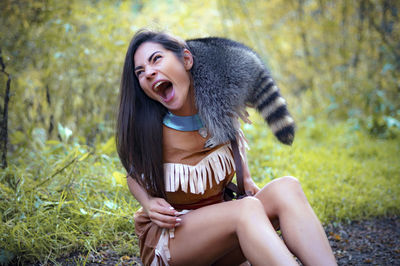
(160, 141)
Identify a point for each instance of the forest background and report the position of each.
(62, 187)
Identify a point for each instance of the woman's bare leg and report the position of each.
(232, 258)
(210, 232)
(286, 205)
(284, 201)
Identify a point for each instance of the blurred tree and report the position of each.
(66, 58)
(63, 58)
(339, 57)
(336, 57)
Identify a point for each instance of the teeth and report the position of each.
(158, 84)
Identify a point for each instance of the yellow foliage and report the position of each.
(108, 147)
(119, 177)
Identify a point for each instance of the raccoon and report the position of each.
(228, 76)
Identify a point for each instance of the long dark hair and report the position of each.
(139, 125)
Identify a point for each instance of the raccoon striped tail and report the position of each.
(272, 107)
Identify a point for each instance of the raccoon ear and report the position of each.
(187, 59)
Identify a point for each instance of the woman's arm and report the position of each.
(249, 185)
(158, 209)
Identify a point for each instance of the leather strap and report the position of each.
(239, 166)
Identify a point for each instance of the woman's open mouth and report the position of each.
(164, 89)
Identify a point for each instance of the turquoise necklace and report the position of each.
(185, 123)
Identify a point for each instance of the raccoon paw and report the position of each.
(211, 143)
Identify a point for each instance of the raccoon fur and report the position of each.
(228, 76)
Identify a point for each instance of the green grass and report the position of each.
(64, 198)
(345, 173)
(57, 198)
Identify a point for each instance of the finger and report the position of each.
(255, 190)
(168, 220)
(164, 225)
(250, 193)
(164, 210)
(165, 218)
(168, 211)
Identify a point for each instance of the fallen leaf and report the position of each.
(336, 237)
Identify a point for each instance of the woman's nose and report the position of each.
(150, 72)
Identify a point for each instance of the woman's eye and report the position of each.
(156, 58)
(138, 73)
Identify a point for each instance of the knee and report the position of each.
(289, 183)
(249, 207)
(250, 204)
(287, 192)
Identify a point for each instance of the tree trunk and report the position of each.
(4, 121)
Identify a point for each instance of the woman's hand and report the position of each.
(249, 186)
(162, 213)
(158, 209)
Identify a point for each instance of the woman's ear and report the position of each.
(187, 59)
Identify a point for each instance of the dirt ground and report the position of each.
(368, 242)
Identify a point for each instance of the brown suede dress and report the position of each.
(194, 177)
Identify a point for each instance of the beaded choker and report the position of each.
(185, 123)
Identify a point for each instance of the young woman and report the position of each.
(179, 183)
